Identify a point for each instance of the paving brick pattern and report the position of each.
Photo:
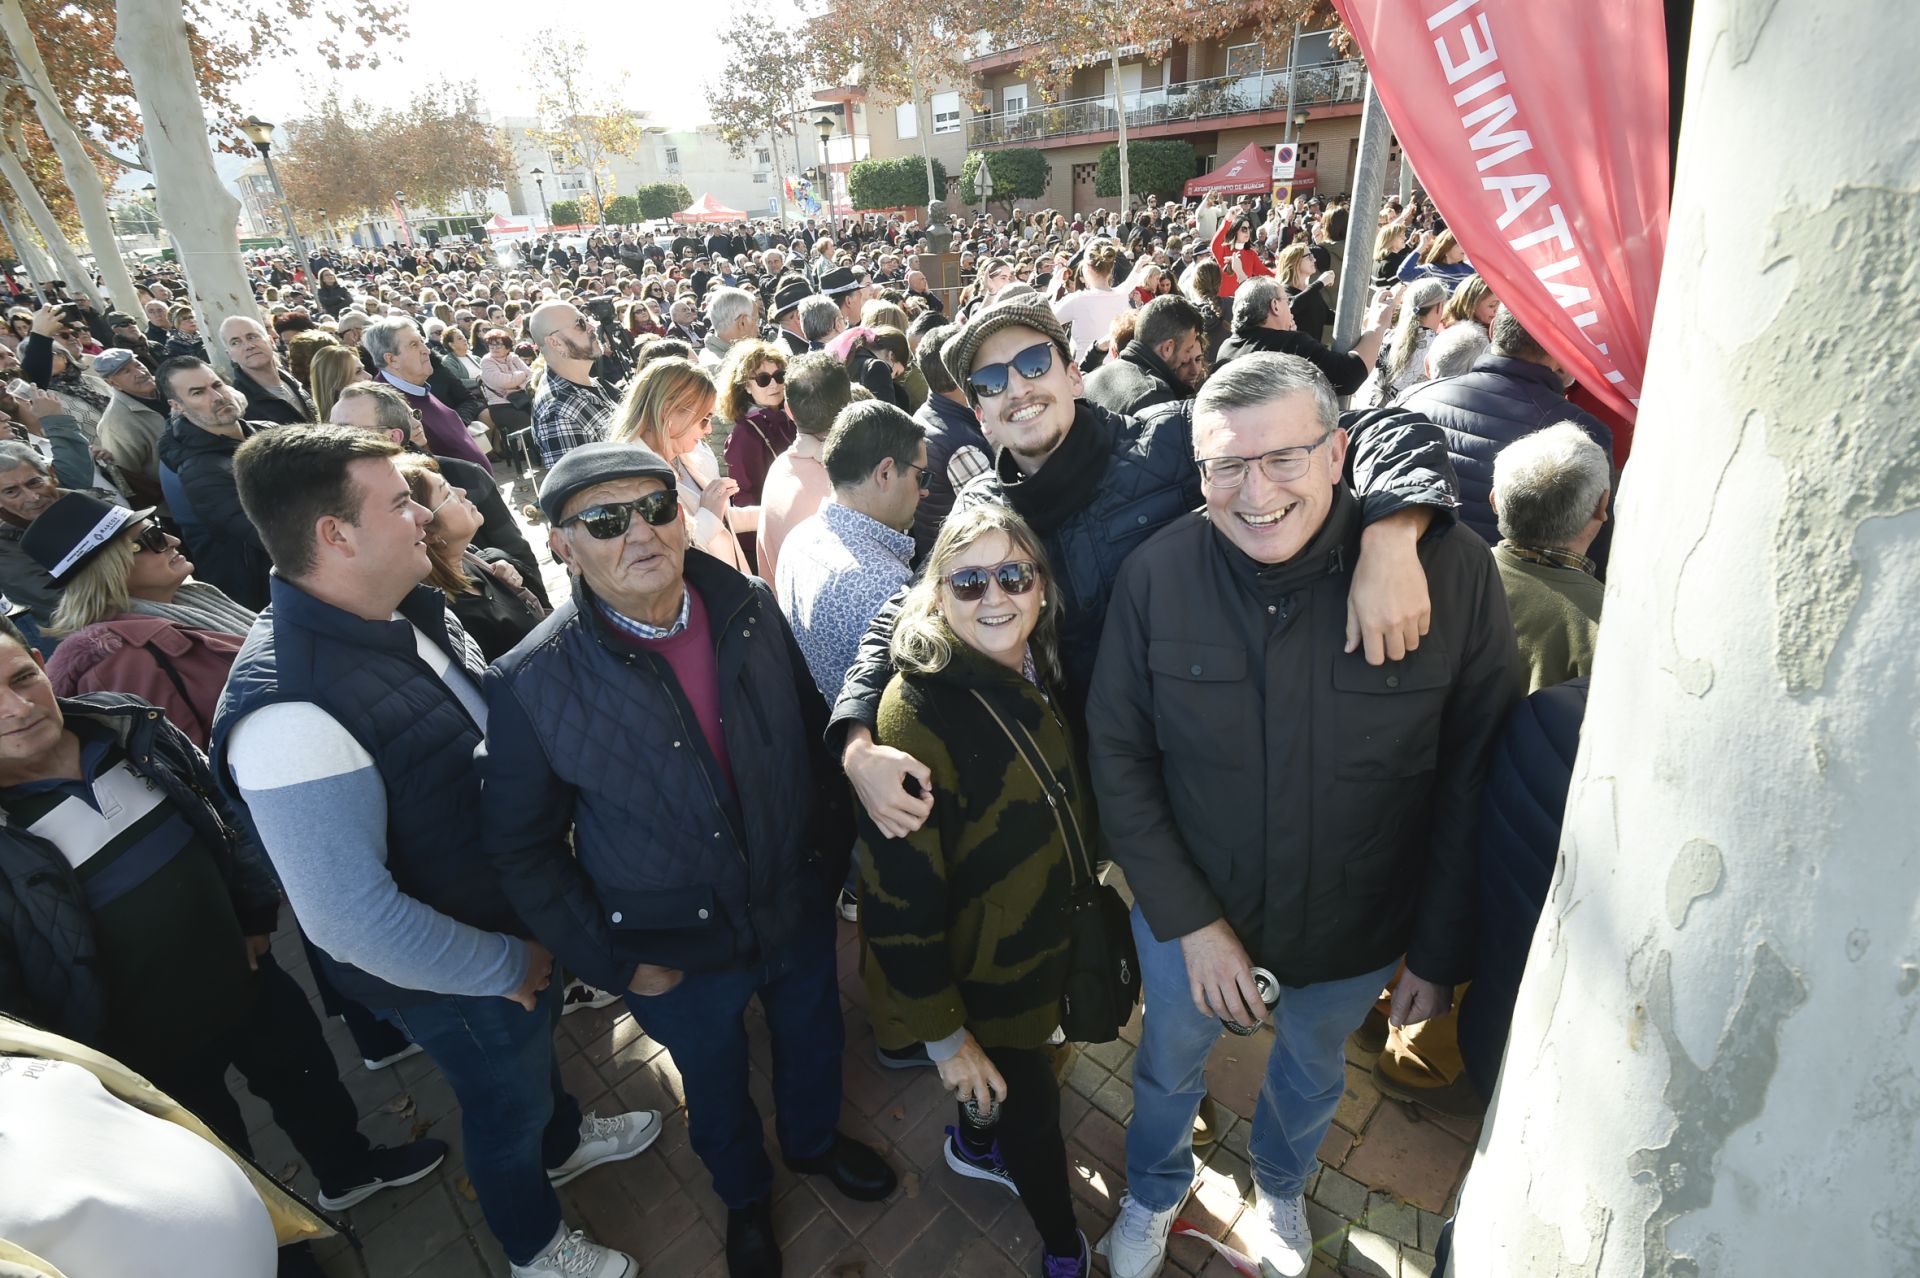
(1389, 1174)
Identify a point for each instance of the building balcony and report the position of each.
(1166, 109)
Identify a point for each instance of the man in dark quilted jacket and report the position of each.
(661, 812)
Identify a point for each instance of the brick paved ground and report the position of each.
(1388, 1177)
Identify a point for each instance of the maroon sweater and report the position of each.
(695, 664)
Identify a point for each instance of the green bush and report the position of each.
(1019, 174)
(894, 184)
(662, 199)
(624, 210)
(566, 212)
(1157, 168)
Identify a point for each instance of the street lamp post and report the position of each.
(825, 125)
(260, 133)
(540, 182)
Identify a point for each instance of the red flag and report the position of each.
(1540, 131)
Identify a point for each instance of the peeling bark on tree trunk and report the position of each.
(194, 205)
(38, 269)
(69, 269)
(83, 180)
(1714, 1067)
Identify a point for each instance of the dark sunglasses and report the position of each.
(152, 539)
(1033, 363)
(612, 519)
(1016, 577)
(763, 380)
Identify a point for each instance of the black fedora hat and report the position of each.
(839, 280)
(789, 295)
(78, 526)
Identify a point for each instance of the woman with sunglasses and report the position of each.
(129, 617)
(486, 594)
(669, 408)
(966, 918)
(753, 396)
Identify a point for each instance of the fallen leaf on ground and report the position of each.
(464, 1187)
(288, 1172)
(421, 1126)
(911, 1183)
(401, 1104)
(899, 1114)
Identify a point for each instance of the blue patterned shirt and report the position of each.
(836, 570)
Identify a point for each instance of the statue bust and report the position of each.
(939, 234)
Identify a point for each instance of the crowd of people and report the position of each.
(916, 608)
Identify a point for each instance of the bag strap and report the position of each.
(1029, 752)
(173, 676)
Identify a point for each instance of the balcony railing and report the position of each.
(1210, 98)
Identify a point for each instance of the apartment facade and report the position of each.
(1219, 95)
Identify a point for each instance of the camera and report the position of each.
(599, 309)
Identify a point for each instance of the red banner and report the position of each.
(1540, 131)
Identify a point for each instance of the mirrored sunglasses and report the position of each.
(1016, 577)
(1033, 363)
(612, 519)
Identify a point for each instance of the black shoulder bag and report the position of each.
(1103, 963)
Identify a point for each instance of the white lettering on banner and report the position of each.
(1496, 137)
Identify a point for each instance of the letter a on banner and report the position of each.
(1540, 131)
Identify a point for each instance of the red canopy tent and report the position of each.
(500, 224)
(708, 209)
(1248, 173)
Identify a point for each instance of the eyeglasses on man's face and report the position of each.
(1282, 465)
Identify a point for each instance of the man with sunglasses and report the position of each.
(659, 808)
(1277, 801)
(573, 406)
(1263, 321)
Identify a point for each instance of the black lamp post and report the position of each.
(825, 125)
(260, 133)
(540, 182)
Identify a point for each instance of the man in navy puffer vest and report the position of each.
(664, 716)
(346, 736)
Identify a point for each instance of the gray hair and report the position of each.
(1251, 302)
(1455, 348)
(1261, 378)
(382, 338)
(727, 306)
(15, 455)
(1547, 485)
(391, 409)
(818, 317)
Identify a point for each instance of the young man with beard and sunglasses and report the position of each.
(660, 810)
(573, 406)
(1095, 485)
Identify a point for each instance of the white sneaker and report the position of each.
(573, 1255)
(1276, 1230)
(607, 1140)
(1136, 1246)
(581, 996)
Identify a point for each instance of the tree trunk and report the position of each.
(38, 271)
(1714, 1066)
(194, 204)
(83, 180)
(70, 270)
(926, 147)
(1120, 114)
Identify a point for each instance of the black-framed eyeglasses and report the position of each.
(1016, 577)
(926, 476)
(1279, 466)
(612, 519)
(764, 380)
(152, 539)
(1033, 363)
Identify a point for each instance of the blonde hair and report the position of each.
(880, 313)
(658, 389)
(1289, 258)
(1102, 256)
(98, 591)
(923, 642)
(332, 371)
(1383, 239)
(1467, 296)
(1443, 244)
(743, 361)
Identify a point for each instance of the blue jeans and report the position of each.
(1306, 1072)
(700, 1022)
(515, 1114)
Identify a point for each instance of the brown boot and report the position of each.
(1456, 1099)
(1372, 1034)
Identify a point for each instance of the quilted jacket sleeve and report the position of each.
(1396, 458)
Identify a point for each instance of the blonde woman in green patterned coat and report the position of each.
(966, 918)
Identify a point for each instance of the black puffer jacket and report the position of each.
(589, 735)
(196, 474)
(1346, 372)
(1395, 460)
(1247, 767)
(1135, 382)
(47, 946)
(1486, 408)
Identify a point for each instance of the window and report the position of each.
(672, 159)
(760, 179)
(761, 155)
(906, 120)
(1309, 157)
(1013, 99)
(1316, 47)
(946, 112)
(573, 182)
(1243, 60)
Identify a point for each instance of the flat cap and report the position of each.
(1023, 310)
(600, 462)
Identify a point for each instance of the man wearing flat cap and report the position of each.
(665, 719)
